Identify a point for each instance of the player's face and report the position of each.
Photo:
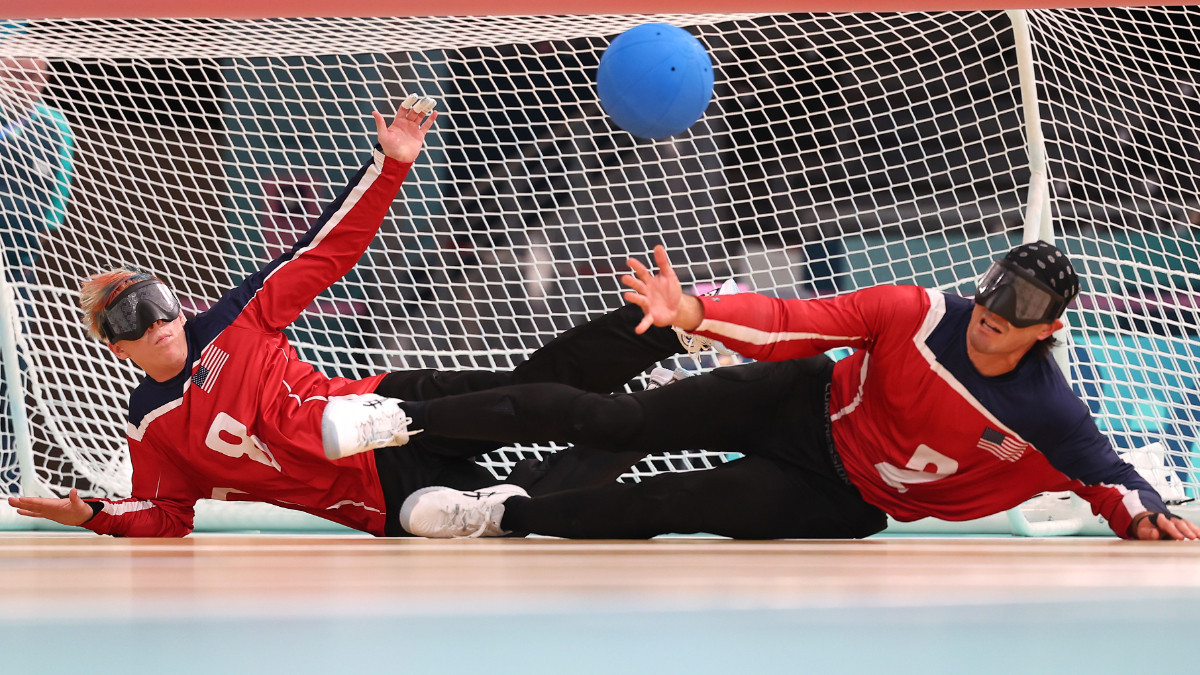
(161, 351)
(996, 346)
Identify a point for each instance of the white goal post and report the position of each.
(841, 150)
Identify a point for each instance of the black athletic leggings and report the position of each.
(776, 413)
(599, 355)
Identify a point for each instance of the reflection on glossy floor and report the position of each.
(310, 603)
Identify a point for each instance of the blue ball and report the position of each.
(655, 80)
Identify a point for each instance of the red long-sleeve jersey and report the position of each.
(243, 420)
(920, 431)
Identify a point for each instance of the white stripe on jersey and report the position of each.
(348, 502)
(937, 310)
(300, 401)
(761, 337)
(138, 432)
(348, 204)
(1130, 499)
(121, 508)
(862, 378)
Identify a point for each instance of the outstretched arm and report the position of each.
(131, 517)
(168, 514)
(661, 296)
(335, 243)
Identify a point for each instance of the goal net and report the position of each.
(839, 151)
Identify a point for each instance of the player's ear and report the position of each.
(1050, 329)
(120, 353)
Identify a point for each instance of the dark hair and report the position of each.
(1042, 348)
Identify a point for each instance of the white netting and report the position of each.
(1124, 149)
(840, 151)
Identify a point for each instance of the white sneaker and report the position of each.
(361, 422)
(694, 344)
(661, 377)
(446, 513)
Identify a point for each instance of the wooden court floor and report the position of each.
(329, 603)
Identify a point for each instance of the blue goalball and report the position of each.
(655, 80)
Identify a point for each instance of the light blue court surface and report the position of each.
(271, 603)
(1068, 637)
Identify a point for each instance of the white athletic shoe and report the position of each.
(361, 422)
(694, 344)
(661, 377)
(445, 513)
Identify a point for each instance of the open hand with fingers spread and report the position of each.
(69, 511)
(402, 139)
(660, 295)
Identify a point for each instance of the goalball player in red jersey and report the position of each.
(229, 411)
(949, 408)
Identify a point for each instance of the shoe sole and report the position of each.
(329, 440)
(410, 503)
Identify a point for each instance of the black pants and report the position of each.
(599, 356)
(789, 485)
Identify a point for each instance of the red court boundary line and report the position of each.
(253, 9)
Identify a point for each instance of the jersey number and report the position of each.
(925, 466)
(230, 437)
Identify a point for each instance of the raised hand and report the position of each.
(69, 511)
(660, 295)
(402, 139)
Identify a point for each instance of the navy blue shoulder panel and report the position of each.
(1035, 401)
(210, 324)
(151, 395)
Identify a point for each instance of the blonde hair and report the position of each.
(99, 289)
